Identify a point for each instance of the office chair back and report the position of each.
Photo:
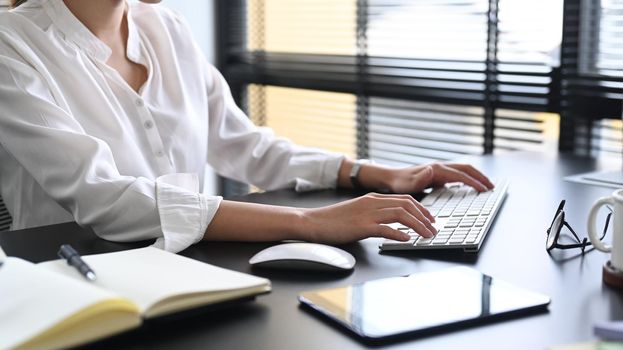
(5, 217)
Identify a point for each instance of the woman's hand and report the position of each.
(363, 217)
(343, 222)
(414, 179)
(417, 178)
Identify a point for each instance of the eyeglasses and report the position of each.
(553, 232)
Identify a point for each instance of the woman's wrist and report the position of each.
(370, 176)
(305, 226)
(375, 177)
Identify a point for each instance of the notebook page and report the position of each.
(34, 301)
(149, 275)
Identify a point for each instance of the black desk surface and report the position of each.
(514, 251)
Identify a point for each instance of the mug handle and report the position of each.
(592, 234)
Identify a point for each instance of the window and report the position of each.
(308, 117)
(416, 80)
(592, 78)
(601, 38)
(425, 79)
(404, 132)
(302, 26)
(607, 139)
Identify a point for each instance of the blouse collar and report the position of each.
(75, 31)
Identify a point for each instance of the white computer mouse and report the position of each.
(304, 256)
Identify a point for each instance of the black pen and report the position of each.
(68, 253)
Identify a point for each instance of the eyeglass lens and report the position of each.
(554, 230)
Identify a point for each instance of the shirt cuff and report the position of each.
(327, 174)
(184, 212)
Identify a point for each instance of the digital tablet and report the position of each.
(423, 303)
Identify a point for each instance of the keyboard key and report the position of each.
(396, 225)
(388, 243)
(424, 241)
(430, 198)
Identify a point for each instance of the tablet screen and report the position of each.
(421, 302)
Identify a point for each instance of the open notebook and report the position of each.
(50, 305)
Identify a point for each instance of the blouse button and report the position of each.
(160, 153)
(149, 124)
(140, 102)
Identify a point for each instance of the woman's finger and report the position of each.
(390, 233)
(405, 197)
(447, 174)
(410, 207)
(473, 172)
(391, 215)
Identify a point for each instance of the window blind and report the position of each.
(404, 132)
(607, 139)
(436, 79)
(406, 63)
(601, 38)
(592, 77)
(594, 61)
(5, 217)
(311, 118)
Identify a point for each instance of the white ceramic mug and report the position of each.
(616, 249)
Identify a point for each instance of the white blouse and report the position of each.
(78, 143)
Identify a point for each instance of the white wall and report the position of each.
(200, 16)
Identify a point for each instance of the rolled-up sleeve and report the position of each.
(242, 151)
(184, 212)
(78, 170)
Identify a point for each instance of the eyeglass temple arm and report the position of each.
(573, 232)
(606, 226)
(585, 242)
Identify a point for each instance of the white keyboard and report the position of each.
(462, 218)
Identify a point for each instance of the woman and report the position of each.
(109, 113)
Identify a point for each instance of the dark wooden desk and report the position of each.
(514, 251)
